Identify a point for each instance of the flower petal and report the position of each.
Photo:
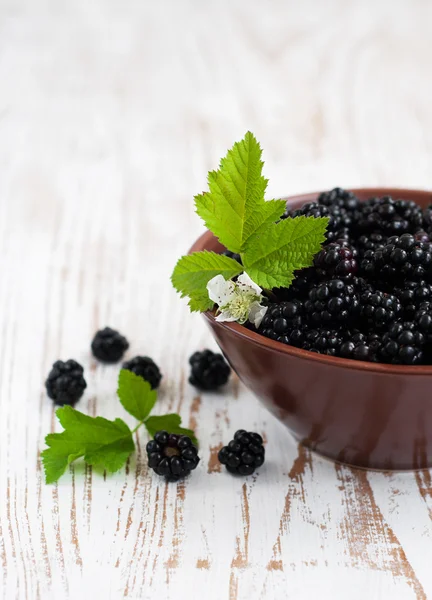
(256, 313)
(246, 281)
(220, 290)
(225, 315)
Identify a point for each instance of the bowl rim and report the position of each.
(313, 357)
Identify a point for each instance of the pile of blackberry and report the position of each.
(368, 295)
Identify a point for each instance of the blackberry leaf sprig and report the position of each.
(101, 442)
(235, 210)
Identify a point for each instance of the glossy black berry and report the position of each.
(232, 255)
(427, 218)
(412, 295)
(401, 259)
(389, 217)
(332, 302)
(339, 197)
(372, 241)
(378, 309)
(146, 368)
(339, 219)
(243, 454)
(403, 344)
(109, 345)
(209, 370)
(364, 347)
(172, 456)
(423, 324)
(304, 280)
(284, 322)
(65, 383)
(337, 259)
(323, 340)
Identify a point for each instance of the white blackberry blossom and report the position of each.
(237, 300)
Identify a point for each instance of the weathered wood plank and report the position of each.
(110, 116)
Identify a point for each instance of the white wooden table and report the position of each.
(111, 114)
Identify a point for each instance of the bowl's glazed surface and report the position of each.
(369, 415)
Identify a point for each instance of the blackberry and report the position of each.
(208, 370)
(402, 258)
(232, 255)
(423, 320)
(243, 454)
(172, 456)
(422, 236)
(65, 383)
(362, 347)
(339, 219)
(373, 242)
(339, 197)
(427, 218)
(378, 309)
(146, 368)
(388, 216)
(299, 289)
(403, 344)
(334, 301)
(109, 345)
(284, 322)
(412, 295)
(323, 341)
(337, 259)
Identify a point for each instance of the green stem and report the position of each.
(138, 426)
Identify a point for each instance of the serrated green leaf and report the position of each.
(234, 208)
(170, 423)
(283, 248)
(135, 394)
(101, 442)
(192, 273)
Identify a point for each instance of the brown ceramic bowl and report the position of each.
(370, 415)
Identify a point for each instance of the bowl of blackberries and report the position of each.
(343, 356)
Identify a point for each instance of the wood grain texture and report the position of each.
(111, 114)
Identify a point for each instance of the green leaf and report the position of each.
(136, 394)
(234, 208)
(170, 423)
(192, 273)
(284, 248)
(101, 442)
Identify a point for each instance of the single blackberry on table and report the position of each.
(412, 294)
(146, 368)
(339, 197)
(360, 346)
(373, 242)
(284, 322)
(323, 340)
(172, 456)
(109, 345)
(232, 255)
(403, 344)
(243, 454)
(401, 259)
(339, 219)
(388, 216)
(378, 309)
(65, 383)
(208, 370)
(334, 301)
(337, 259)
